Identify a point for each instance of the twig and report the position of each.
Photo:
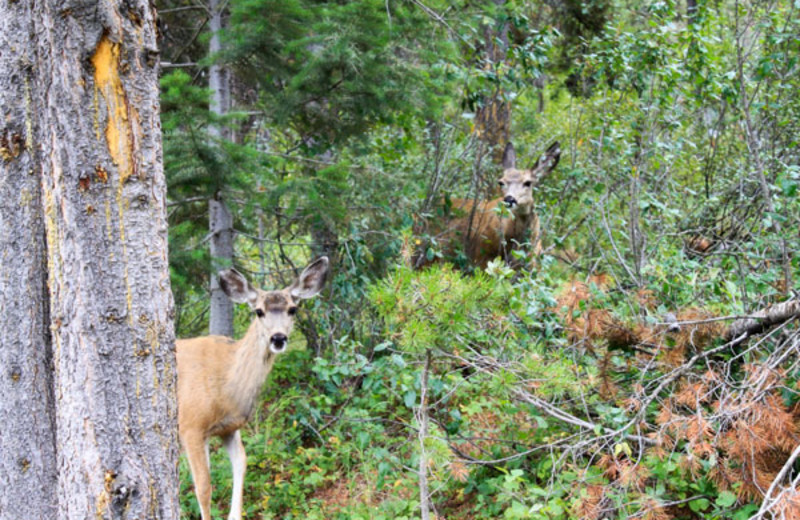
(170, 65)
(186, 8)
(202, 198)
(767, 503)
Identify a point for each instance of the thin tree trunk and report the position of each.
(424, 493)
(637, 237)
(493, 118)
(262, 252)
(218, 77)
(691, 11)
(219, 216)
(324, 238)
(111, 309)
(753, 140)
(28, 470)
(221, 245)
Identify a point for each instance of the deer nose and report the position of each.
(509, 200)
(279, 340)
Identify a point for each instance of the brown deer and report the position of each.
(219, 379)
(484, 229)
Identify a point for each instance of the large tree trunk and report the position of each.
(219, 216)
(27, 431)
(111, 309)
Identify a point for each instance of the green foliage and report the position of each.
(556, 392)
(439, 307)
(328, 69)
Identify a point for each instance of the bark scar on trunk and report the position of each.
(119, 134)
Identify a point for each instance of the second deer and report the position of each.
(484, 229)
(219, 379)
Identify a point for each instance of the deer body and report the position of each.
(224, 401)
(219, 379)
(488, 232)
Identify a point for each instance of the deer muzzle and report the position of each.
(277, 343)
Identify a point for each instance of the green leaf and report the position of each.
(410, 399)
(382, 346)
(745, 512)
(726, 499)
(700, 504)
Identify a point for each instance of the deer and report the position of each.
(219, 379)
(494, 228)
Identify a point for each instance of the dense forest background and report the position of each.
(614, 377)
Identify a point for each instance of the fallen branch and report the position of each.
(558, 413)
(762, 321)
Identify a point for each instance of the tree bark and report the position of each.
(218, 76)
(111, 310)
(28, 470)
(423, 418)
(219, 216)
(763, 320)
(691, 11)
(221, 245)
(493, 118)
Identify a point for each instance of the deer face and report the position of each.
(517, 185)
(517, 190)
(274, 311)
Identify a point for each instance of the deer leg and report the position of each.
(235, 448)
(197, 453)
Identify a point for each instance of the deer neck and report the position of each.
(252, 364)
(516, 227)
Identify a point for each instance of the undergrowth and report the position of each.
(549, 398)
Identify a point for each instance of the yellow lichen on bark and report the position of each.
(119, 134)
(28, 116)
(25, 198)
(119, 130)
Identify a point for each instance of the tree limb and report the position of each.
(763, 320)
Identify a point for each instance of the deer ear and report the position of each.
(509, 157)
(311, 280)
(236, 287)
(548, 160)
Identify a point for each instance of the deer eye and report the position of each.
(527, 184)
(259, 313)
(292, 311)
(501, 184)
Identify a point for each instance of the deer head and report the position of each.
(517, 185)
(275, 310)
